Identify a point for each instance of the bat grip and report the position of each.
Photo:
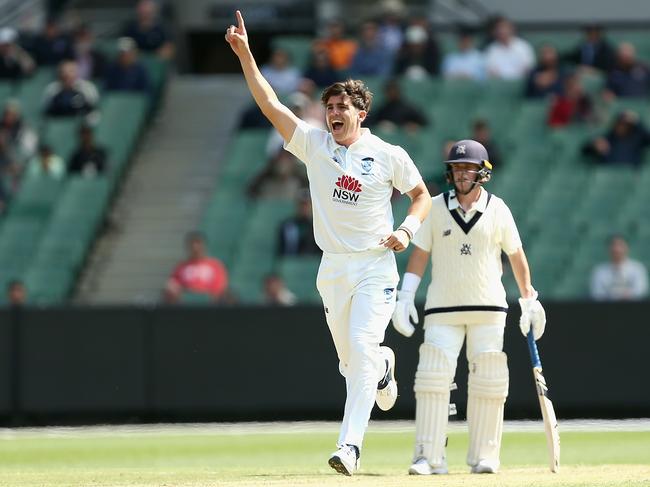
(532, 348)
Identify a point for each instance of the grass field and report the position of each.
(296, 454)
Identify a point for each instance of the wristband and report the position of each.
(410, 282)
(410, 225)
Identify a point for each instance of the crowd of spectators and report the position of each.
(393, 47)
(83, 72)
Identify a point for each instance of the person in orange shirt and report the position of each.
(340, 50)
(199, 274)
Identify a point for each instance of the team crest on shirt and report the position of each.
(347, 190)
(366, 165)
(388, 294)
(466, 249)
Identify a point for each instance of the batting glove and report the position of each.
(532, 316)
(405, 308)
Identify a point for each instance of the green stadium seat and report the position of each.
(298, 47)
(299, 274)
(36, 198)
(62, 134)
(31, 93)
(48, 285)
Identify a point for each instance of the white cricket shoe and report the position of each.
(345, 460)
(485, 466)
(421, 467)
(387, 387)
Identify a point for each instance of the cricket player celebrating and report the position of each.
(351, 174)
(464, 235)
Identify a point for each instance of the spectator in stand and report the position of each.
(70, 95)
(594, 52)
(199, 273)
(296, 234)
(372, 58)
(16, 294)
(15, 63)
(419, 56)
(283, 76)
(466, 62)
(320, 69)
(629, 77)
(620, 279)
(624, 144)
(90, 159)
(276, 292)
(4, 197)
(339, 49)
(391, 31)
(282, 178)
(396, 112)
(481, 132)
(91, 63)
(300, 104)
(508, 57)
(9, 166)
(547, 78)
(127, 73)
(573, 105)
(22, 138)
(148, 32)
(46, 164)
(52, 46)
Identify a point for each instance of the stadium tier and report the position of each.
(50, 224)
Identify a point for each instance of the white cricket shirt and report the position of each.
(465, 251)
(351, 188)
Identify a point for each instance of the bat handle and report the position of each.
(532, 348)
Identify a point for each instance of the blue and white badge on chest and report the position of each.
(367, 165)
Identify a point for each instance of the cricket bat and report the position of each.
(548, 413)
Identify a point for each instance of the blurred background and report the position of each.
(157, 260)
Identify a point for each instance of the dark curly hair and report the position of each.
(360, 95)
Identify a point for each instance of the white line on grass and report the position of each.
(207, 429)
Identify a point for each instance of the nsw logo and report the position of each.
(347, 190)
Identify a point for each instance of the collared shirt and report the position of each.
(351, 187)
(464, 64)
(466, 259)
(511, 61)
(479, 205)
(626, 281)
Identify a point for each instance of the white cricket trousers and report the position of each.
(449, 338)
(358, 291)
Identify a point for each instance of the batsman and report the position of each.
(463, 236)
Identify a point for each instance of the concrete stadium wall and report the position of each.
(76, 365)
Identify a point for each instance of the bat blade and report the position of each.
(550, 421)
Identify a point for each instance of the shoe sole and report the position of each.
(336, 463)
(393, 380)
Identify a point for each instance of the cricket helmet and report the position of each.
(469, 152)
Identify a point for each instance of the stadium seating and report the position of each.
(565, 208)
(50, 225)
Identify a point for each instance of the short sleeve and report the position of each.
(424, 236)
(405, 175)
(510, 240)
(305, 137)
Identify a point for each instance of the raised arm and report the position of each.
(279, 115)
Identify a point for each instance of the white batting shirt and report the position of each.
(351, 187)
(465, 251)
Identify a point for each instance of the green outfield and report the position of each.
(287, 455)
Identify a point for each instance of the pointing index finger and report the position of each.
(240, 20)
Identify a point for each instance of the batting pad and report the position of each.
(432, 390)
(487, 392)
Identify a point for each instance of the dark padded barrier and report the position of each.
(104, 364)
(6, 361)
(82, 361)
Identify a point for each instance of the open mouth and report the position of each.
(337, 126)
